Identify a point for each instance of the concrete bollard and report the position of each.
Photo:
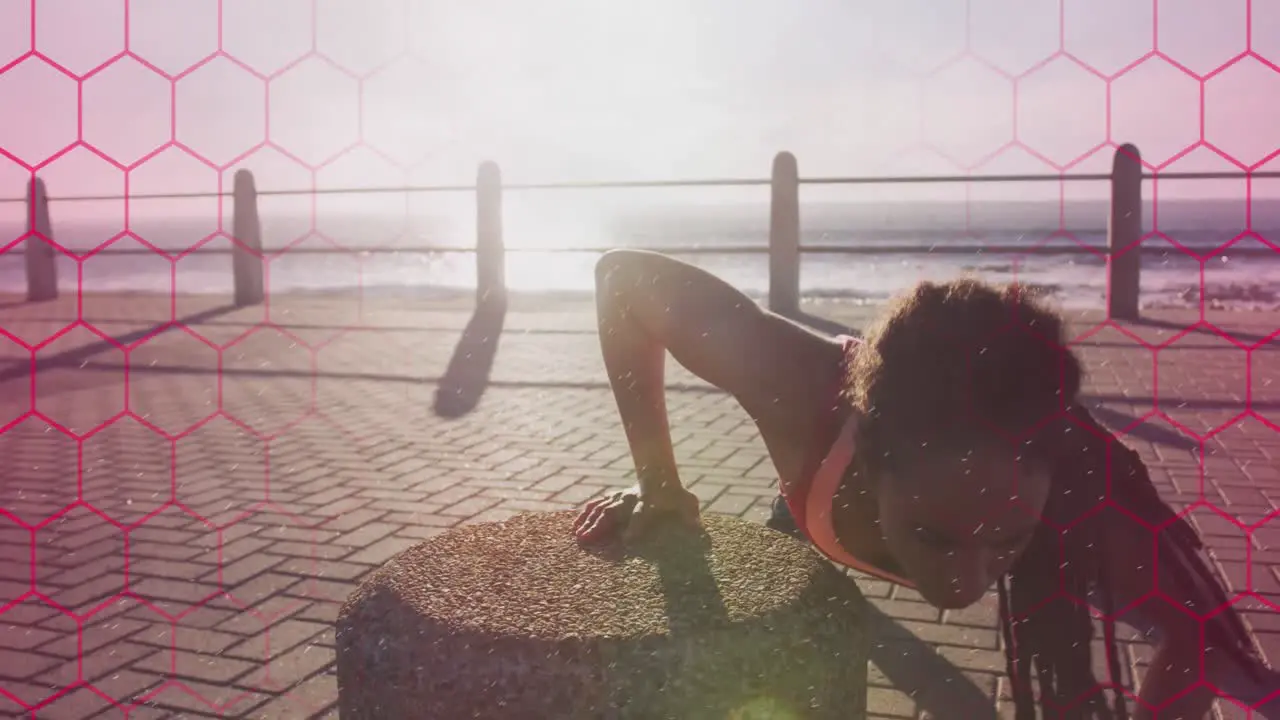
(491, 260)
(516, 620)
(40, 256)
(1124, 234)
(784, 236)
(247, 263)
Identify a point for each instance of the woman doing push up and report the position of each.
(944, 452)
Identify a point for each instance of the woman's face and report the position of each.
(957, 524)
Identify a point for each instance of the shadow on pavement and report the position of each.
(1115, 421)
(78, 357)
(17, 303)
(1167, 325)
(915, 669)
(467, 375)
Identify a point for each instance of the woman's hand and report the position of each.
(629, 514)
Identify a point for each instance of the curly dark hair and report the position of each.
(954, 366)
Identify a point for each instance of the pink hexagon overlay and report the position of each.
(173, 224)
(1229, 282)
(48, 122)
(1054, 605)
(1200, 36)
(43, 470)
(1264, 212)
(77, 360)
(1111, 523)
(407, 119)
(15, 33)
(60, 32)
(1265, 17)
(221, 471)
(958, 119)
(80, 559)
(985, 216)
(296, 277)
(267, 380)
(202, 287)
(174, 561)
(1200, 215)
(127, 131)
(247, 24)
(315, 111)
(285, 218)
(983, 358)
(1143, 142)
(381, 39)
(1188, 626)
(1155, 93)
(220, 111)
(1237, 102)
(16, 179)
(1237, 475)
(1202, 381)
(1264, 560)
(181, 350)
(1036, 24)
(127, 264)
(37, 330)
(15, 562)
(1062, 137)
(1108, 36)
(1230, 542)
(104, 641)
(36, 678)
(83, 225)
(353, 221)
(1264, 376)
(1180, 483)
(1181, 266)
(918, 47)
(126, 471)
(173, 36)
(15, 384)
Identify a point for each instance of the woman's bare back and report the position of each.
(787, 377)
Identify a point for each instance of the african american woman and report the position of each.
(945, 452)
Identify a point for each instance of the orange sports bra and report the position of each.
(811, 502)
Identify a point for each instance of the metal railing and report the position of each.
(1122, 250)
(691, 183)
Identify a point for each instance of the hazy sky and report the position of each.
(598, 89)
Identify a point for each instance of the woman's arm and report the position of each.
(1178, 646)
(781, 373)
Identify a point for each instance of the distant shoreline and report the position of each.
(1228, 298)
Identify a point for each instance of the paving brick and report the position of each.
(301, 516)
(380, 551)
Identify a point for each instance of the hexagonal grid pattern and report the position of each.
(205, 520)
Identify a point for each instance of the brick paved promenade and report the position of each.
(230, 615)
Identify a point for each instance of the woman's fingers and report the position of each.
(586, 514)
(592, 527)
(602, 519)
(606, 516)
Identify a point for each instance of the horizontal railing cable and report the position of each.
(643, 184)
(872, 249)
